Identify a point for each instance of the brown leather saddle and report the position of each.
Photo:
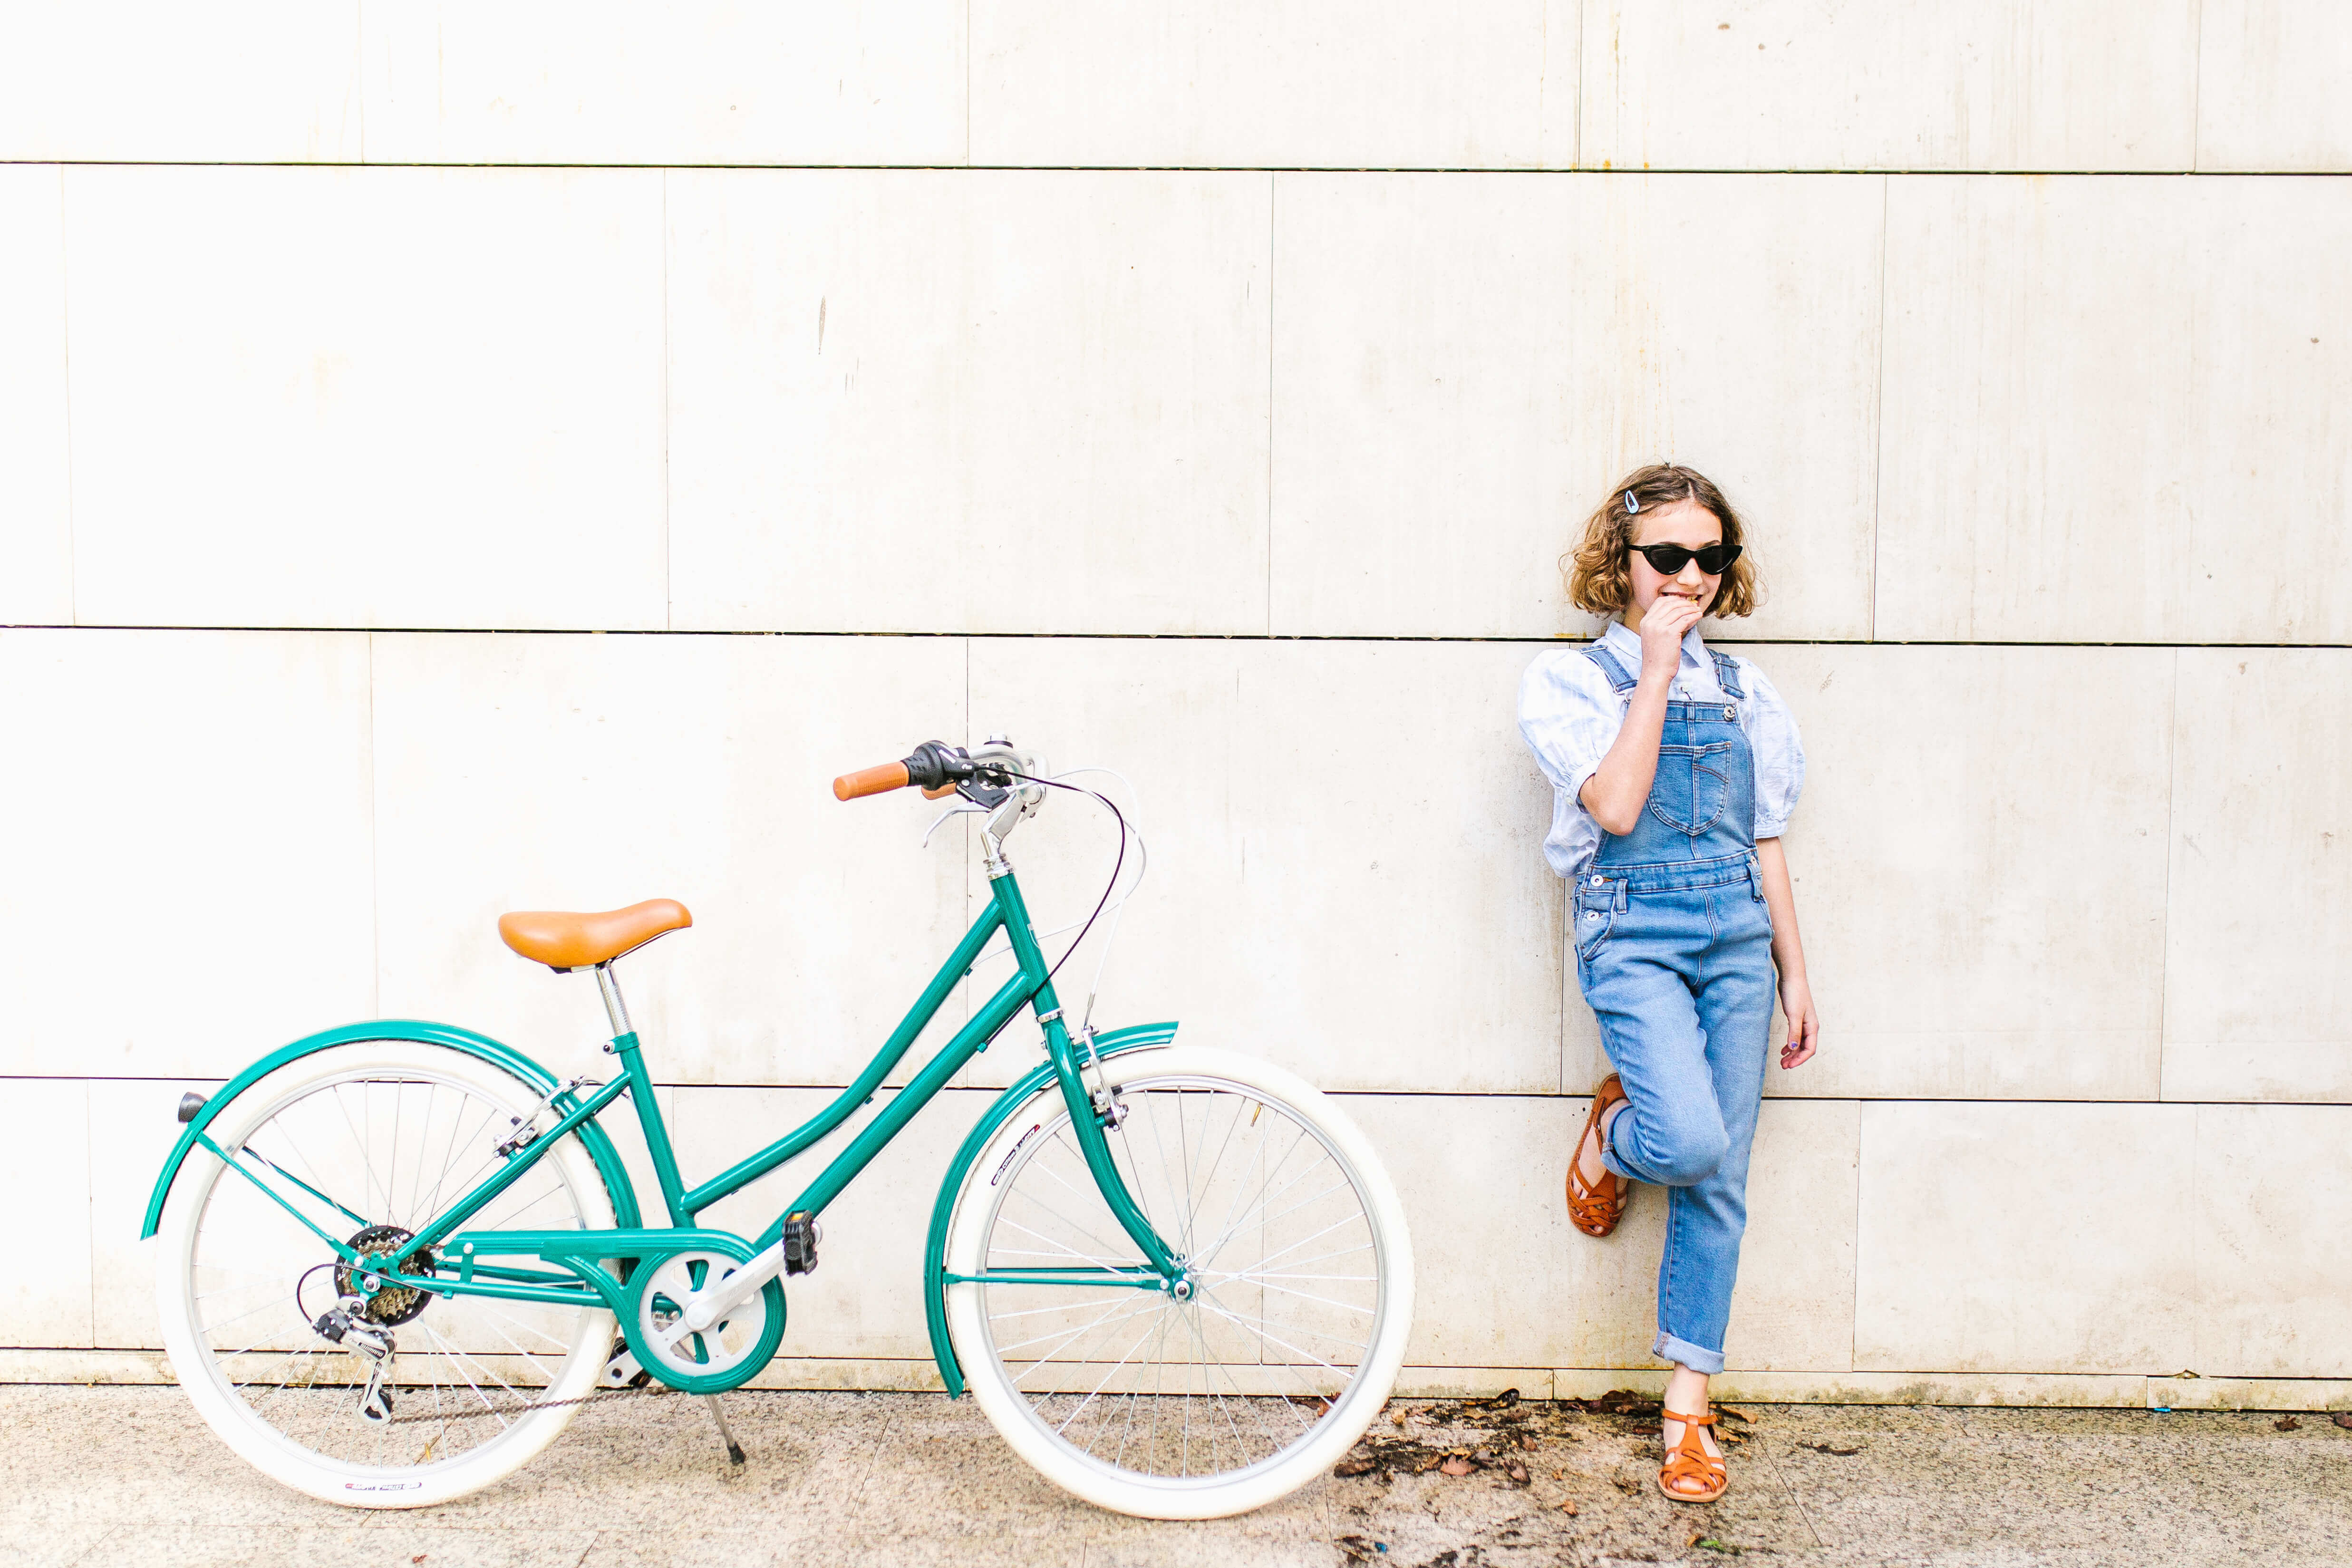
(564, 942)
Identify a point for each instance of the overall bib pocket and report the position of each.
(1704, 772)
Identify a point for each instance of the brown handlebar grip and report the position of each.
(870, 781)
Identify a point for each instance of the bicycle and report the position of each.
(1175, 1280)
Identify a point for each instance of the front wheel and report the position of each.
(1283, 1343)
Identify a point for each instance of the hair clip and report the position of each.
(1632, 501)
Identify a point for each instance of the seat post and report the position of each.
(615, 1009)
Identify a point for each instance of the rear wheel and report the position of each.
(369, 1142)
(1285, 1338)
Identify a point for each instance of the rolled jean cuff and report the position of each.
(1609, 1158)
(1669, 1348)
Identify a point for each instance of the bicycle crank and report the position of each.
(716, 1355)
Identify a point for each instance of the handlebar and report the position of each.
(871, 781)
(936, 766)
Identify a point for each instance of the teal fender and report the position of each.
(1000, 1111)
(600, 1147)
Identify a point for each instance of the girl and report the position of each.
(1674, 769)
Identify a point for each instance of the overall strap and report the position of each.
(1619, 680)
(1726, 672)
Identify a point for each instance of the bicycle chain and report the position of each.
(526, 1410)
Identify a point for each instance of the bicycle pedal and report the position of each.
(802, 1232)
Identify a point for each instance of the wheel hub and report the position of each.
(386, 1304)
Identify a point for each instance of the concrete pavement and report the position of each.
(107, 1476)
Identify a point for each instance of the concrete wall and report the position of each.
(1208, 395)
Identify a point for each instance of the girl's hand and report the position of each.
(1663, 624)
(1804, 1023)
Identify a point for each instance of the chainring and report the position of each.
(718, 1358)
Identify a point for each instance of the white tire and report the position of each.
(1256, 1384)
(238, 1332)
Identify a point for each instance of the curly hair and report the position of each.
(1599, 571)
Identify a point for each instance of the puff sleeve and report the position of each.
(1778, 752)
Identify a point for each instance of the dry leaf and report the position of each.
(2287, 1424)
(1353, 1465)
(1528, 1440)
(1569, 1509)
(1516, 1472)
(2343, 1420)
(1456, 1465)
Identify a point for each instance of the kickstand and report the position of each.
(726, 1435)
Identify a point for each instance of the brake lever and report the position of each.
(962, 807)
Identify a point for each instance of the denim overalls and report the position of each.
(1674, 951)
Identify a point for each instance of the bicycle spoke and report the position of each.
(1197, 1389)
(1112, 1316)
(1225, 1226)
(1303, 1240)
(1243, 1324)
(1099, 1387)
(414, 1144)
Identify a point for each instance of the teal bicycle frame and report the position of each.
(457, 1257)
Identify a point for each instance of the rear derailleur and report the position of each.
(346, 1325)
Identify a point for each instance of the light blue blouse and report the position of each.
(1569, 718)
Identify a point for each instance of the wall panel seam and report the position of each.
(669, 618)
(1854, 1284)
(1720, 634)
(1398, 1093)
(1843, 170)
(375, 874)
(1576, 143)
(65, 348)
(2171, 846)
(1878, 410)
(2197, 90)
(90, 1203)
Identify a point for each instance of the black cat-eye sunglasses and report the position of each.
(1668, 559)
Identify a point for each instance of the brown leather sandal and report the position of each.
(1595, 1208)
(1688, 1461)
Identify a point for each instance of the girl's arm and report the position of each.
(1620, 787)
(1789, 956)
